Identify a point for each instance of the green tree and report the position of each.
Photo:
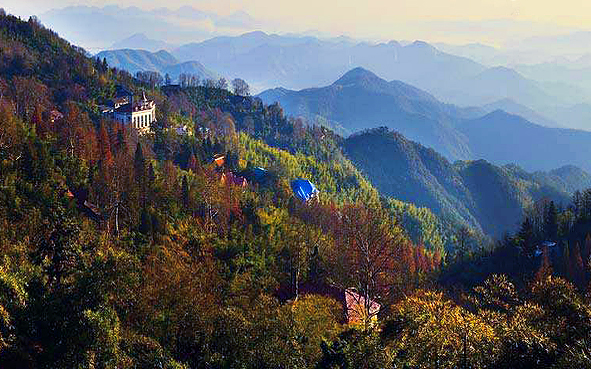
(526, 238)
(551, 222)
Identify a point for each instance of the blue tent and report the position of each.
(303, 189)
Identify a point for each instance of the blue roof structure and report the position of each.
(259, 173)
(303, 189)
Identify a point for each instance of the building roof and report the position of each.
(219, 160)
(136, 106)
(303, 189)
(356, 310)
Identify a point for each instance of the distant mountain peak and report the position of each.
(254, 34)
(503, 71)
(423, 46)
(356, 76)
(141, 41)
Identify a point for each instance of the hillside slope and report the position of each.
(474, 192)
(162, 61)
(361, 100)
(503, 138)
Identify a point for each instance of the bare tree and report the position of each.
(222, 84)
(241, 88)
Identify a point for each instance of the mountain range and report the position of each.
(505, 138)
(478, 193)
(297, 62)
(162, 61)
(140, 41)
(361, 100)
(96, 28)
(556, 77)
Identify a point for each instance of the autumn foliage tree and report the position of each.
(367, 256)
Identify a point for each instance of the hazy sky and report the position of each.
(384, 19)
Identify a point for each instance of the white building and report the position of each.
(139, 114)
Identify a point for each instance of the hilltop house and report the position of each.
(140, 114)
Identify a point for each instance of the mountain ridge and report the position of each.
(360, 100)
(476, 192)
(161, 61)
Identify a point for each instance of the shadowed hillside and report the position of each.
(475, 192)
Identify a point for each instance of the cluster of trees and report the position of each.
(154, 79)
(561, 236)
(119, 251)
(150, 78)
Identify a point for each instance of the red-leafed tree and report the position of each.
(367, 256)
(104, 145)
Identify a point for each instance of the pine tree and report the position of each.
(577, 201)
(551, 222)
(566, 263)
(145, 222)
(526, 238)
(587, 250)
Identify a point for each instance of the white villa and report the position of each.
(139, 114)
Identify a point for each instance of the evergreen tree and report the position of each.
(545, 269)
(526, 238)
(551, 222)
(145, 222)
(577, 201)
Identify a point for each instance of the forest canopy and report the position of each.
(185, 248)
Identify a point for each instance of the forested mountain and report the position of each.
(271, 60)
(578, 74)
(139, 251)
(186, 247)
(361, 100)
(268, 61)
(162, 62)
(478, 193)
(503, 138)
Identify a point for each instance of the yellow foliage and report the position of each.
(438, 330)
